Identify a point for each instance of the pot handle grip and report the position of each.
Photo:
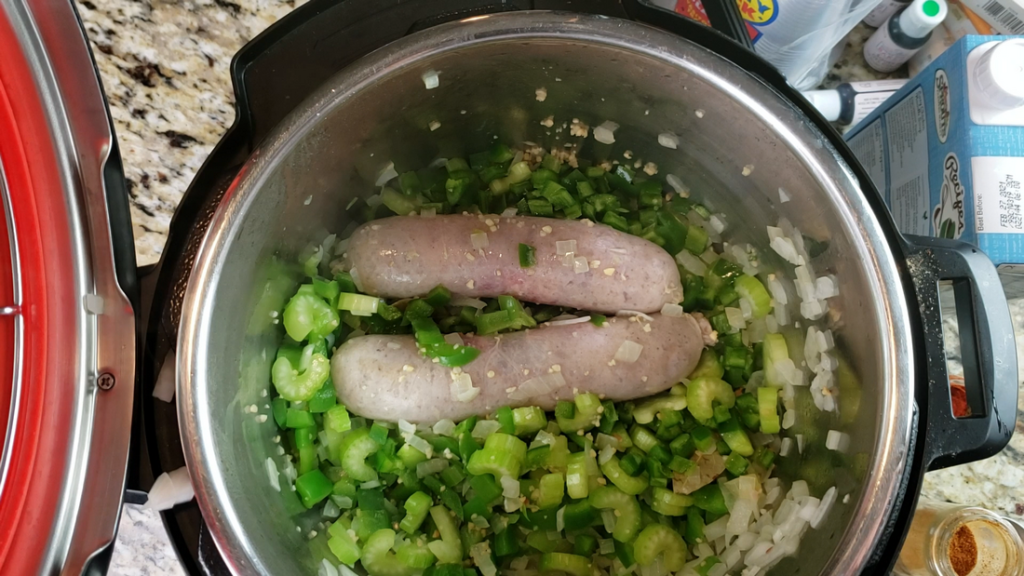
(724, 16)
(988, 352)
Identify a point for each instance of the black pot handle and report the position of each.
(724, 16)
(987, 349)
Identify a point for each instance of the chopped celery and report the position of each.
(645, 411)
(528, 419)
(502, 455)
(627, 521)
(358, 304)
(736, 437)
(702, 391)
(660, 540)
(576, 479)
(298, 373)
(416, 507)
(753, 291)
(550, 491)
(355, 448)
(586, 414)
(768, 409)
(775, 352)
(379, 560)
(568, 563)
(708, 365)
(343, 545)
(617, 476)
(309, 315)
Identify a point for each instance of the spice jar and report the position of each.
(955, 540)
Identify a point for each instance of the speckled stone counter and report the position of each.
(164, 66)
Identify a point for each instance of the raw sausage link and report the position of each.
(386, 377)
(404, 257)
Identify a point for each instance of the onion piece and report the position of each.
(668, 140)
(636, 313)
(606, 454)
(824, 507)
(370, 485)
(560, 519)
(479, 240)
(170, 489)
(510, 487)
(406, 427)
(786, 447)
(671, 310)
(677, 185)
(272, 474)
(325, 568)
(420, 444)
(567, 321)
(444, 427)
(838, 441)
(164, 387)
(563, 247)
(509, 212)
(481, 555)
(386, 174)
(431, 79)
(454, 338)
(628, 352)
(605, 133)
(691, 263)
(735, 318)
(485, 428)
(460, 300)
(783, 196)
(580, 265)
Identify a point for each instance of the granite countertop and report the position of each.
(164, 66)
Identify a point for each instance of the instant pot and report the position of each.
(325, 99)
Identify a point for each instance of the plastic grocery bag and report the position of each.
(796, 36)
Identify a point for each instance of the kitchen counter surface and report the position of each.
(164, 66)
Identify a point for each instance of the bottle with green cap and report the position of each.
(903, 34)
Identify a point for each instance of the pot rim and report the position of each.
(880, 491)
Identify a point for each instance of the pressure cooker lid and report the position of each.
(66, 327)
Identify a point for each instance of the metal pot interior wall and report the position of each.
(739, 144)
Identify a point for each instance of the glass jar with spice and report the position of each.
(956, 540)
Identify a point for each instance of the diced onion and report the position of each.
(444, 427)
(608, 519)
(836, 440)
(606, 546)
(512, 504)
(543, 438)
(628, 352)
(509, 212)
(580, 265)
(784, 247)
(636, 313)
(420, 444)
(668, 140)
(560, 519)
(170, 489)
(479, 240)
(677, 185)
(459, 300)
(272, 474)
(716, 529)
(735, 318)
(671, 310)
(812, 309)
(538, 386)
(563, 247)
(606, 454)
(431, 79)
(786, 447)
(431, 467)
(824, 507)
(325, 568)
(462, 388)
(509, 487)
(454, 338)
(386, 175)
(800, 443)
(164, 387)
(788, 419)
(605, 133)
(567, 321)
(370, 485)
(825, 287)
(485, 428)
(717, 222)
(691, 263)
(406, 427)
(356, 279)
(603, 441)
(783, 196)
(481, 554)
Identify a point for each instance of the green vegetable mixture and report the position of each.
(593, 485)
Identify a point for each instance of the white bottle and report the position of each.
(883, 11)
(851, 102)
(903, 34)
(995, 89)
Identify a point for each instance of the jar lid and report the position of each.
(999, 75)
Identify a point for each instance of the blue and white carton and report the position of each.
(947, 150)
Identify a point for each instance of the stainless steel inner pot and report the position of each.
(296, 186)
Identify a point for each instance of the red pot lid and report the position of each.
(63, 440)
